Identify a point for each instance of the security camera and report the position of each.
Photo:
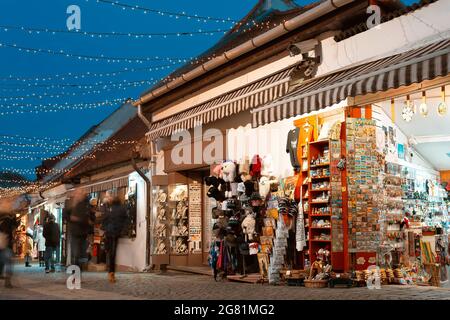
(302, 47)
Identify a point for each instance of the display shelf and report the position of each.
(319, 152)
(319, 177)
(320, 165)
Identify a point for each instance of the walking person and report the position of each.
(8, 227)
(40, 241)
(51, 235)
(114, 221)
(78, 226)
(28, 247)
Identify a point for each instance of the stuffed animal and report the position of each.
(229, 175)
(264, 187)
(248, 225)
(267, 166)
(249, 187)
(217, 170)
(255, 167)
(216, 189)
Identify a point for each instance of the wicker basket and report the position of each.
(315, 283)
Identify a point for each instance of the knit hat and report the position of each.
(255, 166)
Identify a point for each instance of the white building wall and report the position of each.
(131, 252)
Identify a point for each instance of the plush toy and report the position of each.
(228, 171)
(255, 166)
(228, 174)
(248, 225)
(216, 189)
(249, 187)
(217, 170)
(267, 166)
(264, 187)
(244, 167)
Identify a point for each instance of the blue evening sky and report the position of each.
(95, 16)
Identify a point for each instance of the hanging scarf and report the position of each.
(300, 238)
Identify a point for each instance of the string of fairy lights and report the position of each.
(103, 34)
(62, 86)
(88, 74)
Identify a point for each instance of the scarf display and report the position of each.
(300, 238)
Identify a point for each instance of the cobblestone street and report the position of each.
(33, 283)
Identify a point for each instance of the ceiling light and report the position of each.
(423, 108)
(408, 110)
(442, 107)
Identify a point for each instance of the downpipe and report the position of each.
(148, 183)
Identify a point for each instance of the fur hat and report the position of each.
(229, 171)
(249, 187)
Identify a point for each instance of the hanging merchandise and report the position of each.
(300, 239)
(291, 147)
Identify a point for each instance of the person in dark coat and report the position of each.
(51, 234)
(8, 227)
(114, 221)
(78, 226)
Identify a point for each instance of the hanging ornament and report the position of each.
(423, 108)
(408, 111)
(442, 107)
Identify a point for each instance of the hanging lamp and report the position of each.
(442, 106)
(423, 108)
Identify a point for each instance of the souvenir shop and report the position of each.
(359, 195)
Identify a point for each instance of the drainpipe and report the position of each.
(148, 184)
(147, 205)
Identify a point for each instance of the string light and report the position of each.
(88, 74)
(44, 95)
(99, 35)
(169, 14)
(89, 57)
(84, 86)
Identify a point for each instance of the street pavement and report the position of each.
(33, 283)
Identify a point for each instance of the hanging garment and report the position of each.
(291, 147)
(300, 229)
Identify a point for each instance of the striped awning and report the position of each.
(251, 96)
(415, 66)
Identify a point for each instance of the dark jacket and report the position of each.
(114, 220)
(78, 219)
(8, 226)
(51, 234)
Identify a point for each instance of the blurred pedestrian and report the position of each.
(51, 234)
(28, 247)
(78, 226)
(113, 223)
(40, 241)
(8, 226)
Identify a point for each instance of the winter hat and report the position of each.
(264, 186)
(217, 170)
(256, 166)
(267, 166)
(249, 187)
(229, 171)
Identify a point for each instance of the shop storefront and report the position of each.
(325, 185)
